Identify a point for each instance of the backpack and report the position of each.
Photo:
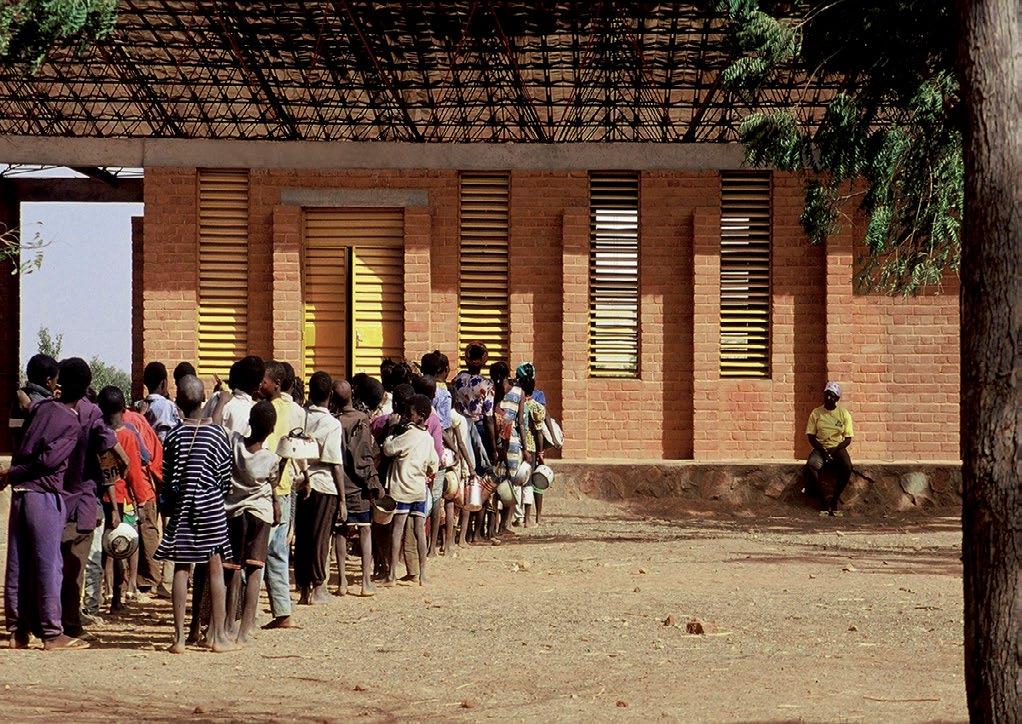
(552, 433)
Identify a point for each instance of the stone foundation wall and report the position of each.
(875, 488)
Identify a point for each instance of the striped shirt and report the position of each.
(197, 470)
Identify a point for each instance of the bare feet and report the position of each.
(304, 599)
(222, 647)
(340, 591)
(320, 594)
(194, 639)
(280, 622)
(178, 647)
(387, 582)
(408, 580)
(367, 592)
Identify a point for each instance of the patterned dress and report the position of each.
(197, 469)
(507, 429)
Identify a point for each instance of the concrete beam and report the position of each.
(208, 153)
(128, 190)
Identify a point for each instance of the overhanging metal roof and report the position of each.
(453, 71)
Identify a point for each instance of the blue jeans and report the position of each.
(276, 574)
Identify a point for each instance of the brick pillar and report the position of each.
(137, 351)
(286, 288)
(575, 333)
(10, 316)
(417, 282)
(170, 266)
(706, 333)
(840, 349)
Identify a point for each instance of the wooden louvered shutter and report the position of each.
(377, 279)
(745, 274)
(483, 310)
(325, 296)
(369, 242)
(223, 270)
(614, 274)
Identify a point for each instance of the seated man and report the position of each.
(830, 433)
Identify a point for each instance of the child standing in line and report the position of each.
(161, 412)
(251, 509)
(197, 462)
(414, 460)
(130, 491)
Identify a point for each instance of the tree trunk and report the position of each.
(990, 69)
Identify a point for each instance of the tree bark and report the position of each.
(990, 71)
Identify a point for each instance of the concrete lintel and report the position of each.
(210, 153)
(128, 190)
(365, 198)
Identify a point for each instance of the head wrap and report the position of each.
(833, 387)
(525, 371)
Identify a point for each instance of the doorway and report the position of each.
(353, 289)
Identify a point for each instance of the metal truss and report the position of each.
(464, 71)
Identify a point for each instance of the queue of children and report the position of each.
(216, 492)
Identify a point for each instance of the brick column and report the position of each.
(575, 332)
(286, 289)
(137, 351)
(170, 267)
(417, 282)
(706, 332)
(10, 315)
(840, 349)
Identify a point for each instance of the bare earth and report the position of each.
(818, 619)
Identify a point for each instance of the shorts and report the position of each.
(437, 486)
(360, 519)
(250, 537)
(416, 509)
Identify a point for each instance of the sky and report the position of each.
(83, 289)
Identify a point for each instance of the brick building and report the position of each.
(666, 295)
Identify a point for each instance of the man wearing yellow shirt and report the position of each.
(830, 432)
(278, 584)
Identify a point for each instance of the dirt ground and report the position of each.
(817, 619)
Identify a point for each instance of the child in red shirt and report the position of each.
(131, 490)
(150, 570)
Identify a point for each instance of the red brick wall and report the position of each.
(10, 318)
(170, 269)
(883, 350)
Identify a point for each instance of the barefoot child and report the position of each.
(129, 492)
(361, 485)
(321, 495)
(414, 460)
(197, 467)
(251, 509)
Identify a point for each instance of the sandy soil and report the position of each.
(819, 619)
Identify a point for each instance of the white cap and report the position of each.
(833, 387)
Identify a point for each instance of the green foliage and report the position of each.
(889, 135)
(29, 29)
(49, 344)
(23, 256)
(104, 374)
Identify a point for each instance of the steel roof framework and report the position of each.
(464, 71)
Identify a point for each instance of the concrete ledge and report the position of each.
(875, 487)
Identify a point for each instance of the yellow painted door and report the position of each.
(353, 289)
(377, 287)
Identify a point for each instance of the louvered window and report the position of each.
(223, 270)
(745, 274)
(614, 274)
(483, 310)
